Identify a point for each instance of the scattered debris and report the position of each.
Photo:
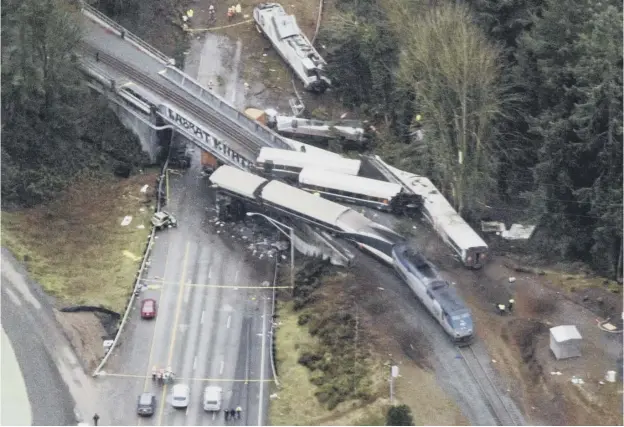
(126, 221)
(144, 189)
(555, 373)
(610, 377)
(512, 279)
(140, 226)
(515, 232)
(577, 380)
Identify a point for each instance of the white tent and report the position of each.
(565, 341)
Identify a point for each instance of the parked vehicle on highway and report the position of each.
(180, 396)
(148, 308)
(436, 294)
(163, 219)
(180, 157)
(292, 45)
(213, 397)
(146, 405)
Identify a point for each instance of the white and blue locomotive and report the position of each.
(435, 293)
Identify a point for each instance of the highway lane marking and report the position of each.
(229, 321)
(236, 276)
(221, 368)
(151, 352)
(237, 286)
(210, 273)
(195, 363)
(162, 282)
(251, 380)
(262, 361)
(174, 328)
(201, 321)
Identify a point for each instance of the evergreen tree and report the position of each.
(573, 57)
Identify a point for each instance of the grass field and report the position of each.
(76, 247)
(297, 403)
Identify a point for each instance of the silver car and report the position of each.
(180, 396)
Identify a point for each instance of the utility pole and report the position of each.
(292, 259)
(394, 372)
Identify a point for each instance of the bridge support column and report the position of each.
(148, 137)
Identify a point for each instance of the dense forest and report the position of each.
(53, 127)
(519, 102)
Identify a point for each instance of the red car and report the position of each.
(148, 308)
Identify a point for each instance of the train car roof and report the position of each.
(301, 201)
(441, 212)
(302, 160)
(236, 180)
(449, 299)
(311, 149)
(351, 183)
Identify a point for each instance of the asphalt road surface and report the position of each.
(57, 388)
(212, 323)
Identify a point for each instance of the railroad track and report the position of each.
(488, 389)
(212, 120)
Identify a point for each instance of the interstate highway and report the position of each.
(210, 329)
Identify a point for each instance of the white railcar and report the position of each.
(288, 164)
(345, 222)
(383, 195)
(449, 225)
(292, 45)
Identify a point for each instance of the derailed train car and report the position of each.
(241, 191)
(292, 45)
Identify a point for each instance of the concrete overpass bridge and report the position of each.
(149, 91)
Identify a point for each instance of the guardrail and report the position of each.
(137, 280)
(272, 340)
(95, 15)
(257, 130)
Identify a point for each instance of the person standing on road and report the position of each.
(232, 413)
(96, 418)
(239, 410)
(227, 414)
(510, 305)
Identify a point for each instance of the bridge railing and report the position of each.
(96, 15)
(192, 86)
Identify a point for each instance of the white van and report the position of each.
(212, 398)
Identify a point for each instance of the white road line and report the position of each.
(202, 317)
(236, 277)
(214, 415)
(195, 363)
(221, 368)
(229, 321)
(186, 412)
(262, 361)
(210, 273)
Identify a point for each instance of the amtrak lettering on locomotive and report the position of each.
(435, 293)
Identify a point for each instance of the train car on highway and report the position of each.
(342, 221)
(288, 164)
(382, 195)
(436, 294)
(292, 45)
(239, 191)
